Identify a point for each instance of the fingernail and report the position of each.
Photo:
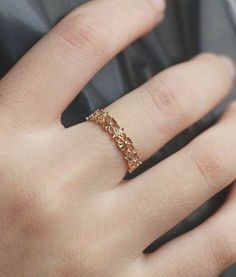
(229, 64)
(161, 4)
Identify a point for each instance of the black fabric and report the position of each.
(190, 27)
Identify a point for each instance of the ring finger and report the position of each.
(154, 113)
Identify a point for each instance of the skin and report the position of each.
(65, 209)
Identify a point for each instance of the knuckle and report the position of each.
(86, 33)
(29, 212)
(168, 101)
(220, 250)
(209, 163)
(22, 207)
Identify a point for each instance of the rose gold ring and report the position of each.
(124, 143)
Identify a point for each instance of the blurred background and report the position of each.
(190, 27)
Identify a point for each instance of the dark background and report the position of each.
(190, 27)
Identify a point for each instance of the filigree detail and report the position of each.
(124, 143)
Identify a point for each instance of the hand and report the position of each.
(65, 209)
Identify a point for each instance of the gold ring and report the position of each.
(124, 143)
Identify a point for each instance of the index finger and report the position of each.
(46, 80)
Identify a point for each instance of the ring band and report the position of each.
(124, 143)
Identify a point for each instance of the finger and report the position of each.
(156, 112)
(206, 251)
(161, 197)
(47, 79)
